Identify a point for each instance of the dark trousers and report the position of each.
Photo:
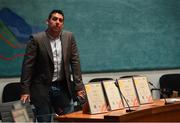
(60, 102)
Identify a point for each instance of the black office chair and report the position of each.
(7, 108)
(169, 83)
(100, 79)
(128, 76)
(11, 92)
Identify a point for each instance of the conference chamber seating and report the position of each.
(11, 94)
(99, 79)
(170, 85)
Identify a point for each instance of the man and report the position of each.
(50, 58)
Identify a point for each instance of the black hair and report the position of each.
(55, 11)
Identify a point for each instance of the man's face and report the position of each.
(56, 23)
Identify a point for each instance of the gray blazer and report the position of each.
(38, 66)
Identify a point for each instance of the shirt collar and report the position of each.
(52, 38)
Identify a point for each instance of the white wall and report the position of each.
(153, 76)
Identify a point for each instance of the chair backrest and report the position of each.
(169, 83)
(128, 76)
(11, 92)
(7, 108)
(100, 79)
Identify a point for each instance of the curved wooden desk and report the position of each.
(155, 112)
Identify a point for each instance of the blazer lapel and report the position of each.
(48, 47)
(63, 42)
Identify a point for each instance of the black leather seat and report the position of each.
(169, 83)
(100, 79)
(11, 92)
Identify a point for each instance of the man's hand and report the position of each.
(81, 94)
(25, 97)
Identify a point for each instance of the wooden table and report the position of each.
(154, 112)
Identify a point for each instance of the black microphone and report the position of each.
(161, 93)
(129, 108)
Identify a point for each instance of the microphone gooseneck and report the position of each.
(129, 108)
(159, 92)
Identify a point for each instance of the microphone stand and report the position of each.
(160, 93)
(129, 109)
